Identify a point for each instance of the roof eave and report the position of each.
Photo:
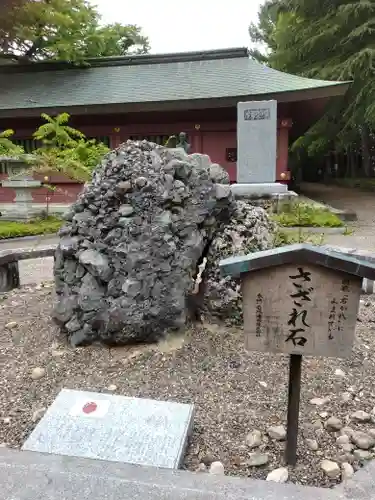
(328, 91)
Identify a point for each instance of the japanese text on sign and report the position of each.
(297, 322)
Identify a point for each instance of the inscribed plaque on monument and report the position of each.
(300, 309)
(256, 141)
(114, 428)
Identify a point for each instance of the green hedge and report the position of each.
(303, 215)
(13, 229)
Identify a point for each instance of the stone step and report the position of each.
(30, 476)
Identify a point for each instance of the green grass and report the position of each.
(14, 229)
(304, 215)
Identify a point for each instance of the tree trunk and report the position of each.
(366, 156)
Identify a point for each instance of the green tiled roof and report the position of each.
(142, 79)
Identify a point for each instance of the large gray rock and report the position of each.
(132, 241)
(249, 230)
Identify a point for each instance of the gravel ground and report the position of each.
(235, 392)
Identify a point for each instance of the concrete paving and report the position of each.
(30, 476)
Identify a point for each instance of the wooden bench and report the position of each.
(9, 269)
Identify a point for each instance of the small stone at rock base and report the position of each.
(263, 384)
(333, 424)
(344, 439)
(277, 432)
(38, 373)
(38, 414)
(216, 468)
(11, 324)
(360, 416)
(257, 459)
(330, 469)
(279, 475)
(254, 439)
(312, 444)
(324, 414)
(340, 373)
(6, 420)
(362, 440)
(318, 401)
(112, 387)
(201, 468)
(362, 455)
(347, 471)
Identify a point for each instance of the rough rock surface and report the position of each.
(130, 248)
(249, 230)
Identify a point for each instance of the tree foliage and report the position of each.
(332, 40)
(64, 149)
(68, 30)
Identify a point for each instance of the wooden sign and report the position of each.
(300, 309)
(298, 300)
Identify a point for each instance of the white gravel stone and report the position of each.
(279, 475)
(38, 414)
(277, 432)
(340, 373)
(362, 455)
(362, 440)
(216, 468)
(333, 424)
(38, 373)
(330, 469)
(344, 439)
(346, 397)
(360, 416)
(201, 468)
(347, 471)
(319, 401)
(312, 444)
(11, 325)
(257, 459)
(254, 439)
(112, 388)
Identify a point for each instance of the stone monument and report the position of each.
(257, 150)
(114, 428)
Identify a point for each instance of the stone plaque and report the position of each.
(114, 428)
(256, 141)
(300, 309)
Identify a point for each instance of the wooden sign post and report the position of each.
(299, 300)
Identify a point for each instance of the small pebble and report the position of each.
(347, 471)
(11, 325)
(277, 432)
(340, 373)
(330, 469)
(333, 424)
(216, 468)
(201, 468)
(38, 414)
(362, 440)
(319, 401)
(360, 416)
(112, 387)
(279, 475)
(344, 439)
(257, 459)
(362, 454)
(38, 373)
(254, 439)
(312, 444)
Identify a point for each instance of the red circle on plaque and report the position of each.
(90, 407)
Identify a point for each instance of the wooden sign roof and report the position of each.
(298, 254)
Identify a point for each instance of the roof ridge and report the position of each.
(129, 60)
